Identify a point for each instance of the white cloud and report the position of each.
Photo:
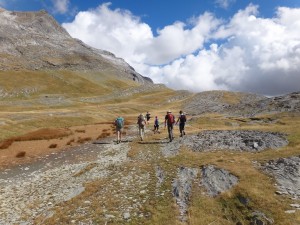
(61, 6)
(117, 31)
(224, 3)
(246, 53)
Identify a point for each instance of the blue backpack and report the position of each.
(119, 122)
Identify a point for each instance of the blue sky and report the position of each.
(198, 45)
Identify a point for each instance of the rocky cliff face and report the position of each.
(35, 41)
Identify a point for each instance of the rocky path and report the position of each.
(40, 186)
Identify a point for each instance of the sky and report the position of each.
(196, 45)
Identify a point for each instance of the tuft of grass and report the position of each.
(83, 140)
(6, 143)
(70, 141)
(103, 135)
(53, 146)
(80, 131)
(21, 154)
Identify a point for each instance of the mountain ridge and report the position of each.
(35, 41)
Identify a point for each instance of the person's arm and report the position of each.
(177, 120)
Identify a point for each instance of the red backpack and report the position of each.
(171, 119)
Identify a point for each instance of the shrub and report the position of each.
(53, 146)
(21, 154)
(6, 143)
(69, 142)
(82, 140)
(80, 131)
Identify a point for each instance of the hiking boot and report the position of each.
(183, 133)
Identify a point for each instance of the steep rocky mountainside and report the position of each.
(35, 41)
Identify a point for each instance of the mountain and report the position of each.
(35, 41)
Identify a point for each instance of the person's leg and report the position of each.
(141, 132)
(120, 135)
(172, 136)
(181, 129)
(170, 131)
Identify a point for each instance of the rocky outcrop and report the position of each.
(182, 187)
(35, 41)
(241, 104)
(216, 180)
(218, 101)
(236, 140)
(287, 174)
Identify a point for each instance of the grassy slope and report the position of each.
(224, 209)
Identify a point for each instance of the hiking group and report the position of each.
(142, 121)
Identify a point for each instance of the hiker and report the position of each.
(169, 122)
(141, 124)
(119, 123)
(181, 120)
(156, 125)
(148, 117)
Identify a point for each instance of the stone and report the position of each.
(126, 215)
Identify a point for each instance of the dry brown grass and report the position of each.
(6, 143)
(83, 140)
(79, 131)
(70, 141)
(41, 134)
(44, 134)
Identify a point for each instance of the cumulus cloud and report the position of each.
(244, 53)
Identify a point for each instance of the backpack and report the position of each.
(119, 122)
(156, 122)
(171, 119)
(141, 121)
(182, 118)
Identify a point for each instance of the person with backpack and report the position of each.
(141, 125)
(181, 120)
(156, 125)
(148, 117)
(169, 122)
(119, 123)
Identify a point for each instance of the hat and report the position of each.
(169, 111)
